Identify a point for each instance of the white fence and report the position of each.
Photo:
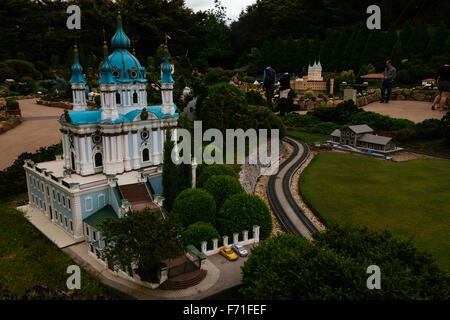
(244, 242)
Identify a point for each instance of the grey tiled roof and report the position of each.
(371, 138)
(336, 133)
(361, 128)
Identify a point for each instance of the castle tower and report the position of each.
(107, 89)
(78, 84)
(168, 107)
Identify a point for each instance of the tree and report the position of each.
(212, 170)
(241, 212)
(193, 205)
(223, 107)
(222, 188)
(141, 239)
(334, 265)
(419, 39)
(198, 232)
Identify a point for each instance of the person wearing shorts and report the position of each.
(443, 80)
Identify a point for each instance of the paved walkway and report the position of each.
(39, 129)
(221, 273)
(416, 111)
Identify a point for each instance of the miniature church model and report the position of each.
(112, 156)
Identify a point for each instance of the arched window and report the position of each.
(117, 98)
(135, 97)
(145, 155)
(72, 158)
(98, 160)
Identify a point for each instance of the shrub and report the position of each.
(207, 171)
(222, 188)
(193, 205)
(404, 135)
(429, 129)
(97, 100)
(260, 117)
(445, 127)
(12, 104)
(241, 212)
(308, 94)
(255, 98)
(198, 232)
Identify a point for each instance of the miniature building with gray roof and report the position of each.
(361, 136)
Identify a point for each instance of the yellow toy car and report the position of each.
(228, 253)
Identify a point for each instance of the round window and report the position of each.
(96, 138)
(116, 73)
(144, 134)
(133, 74)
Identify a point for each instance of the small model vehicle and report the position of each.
(240, 250)
(228, 253)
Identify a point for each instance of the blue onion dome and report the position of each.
(106, 67)
(166, 68)
(120, 39)
(77, 69)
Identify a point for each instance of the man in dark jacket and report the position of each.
(285, 85)
(269, 80)
(389, 75)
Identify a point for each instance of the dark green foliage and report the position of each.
(241, 212)
(142, 239)
(207, 171)
(175, 178)
(12, 104)
(194, 205)
(260, 117)
(255, 98)
(445, 127)
(429, 129)
(222, 188)
(198, 232)
(97, 100)
(12, 179)
(333, 267)
(224, 107)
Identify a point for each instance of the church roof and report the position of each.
(120, 40)
(95, 116)
(106, 68)
(166, 68)
(100, 216)
(77, 69)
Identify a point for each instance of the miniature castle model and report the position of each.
(313, 81)
(361, 136)
(112, 157)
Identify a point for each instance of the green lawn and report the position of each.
(308, 138)
(28, 258)
(411, 198)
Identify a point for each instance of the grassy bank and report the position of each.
(28, 258)
(408, 198)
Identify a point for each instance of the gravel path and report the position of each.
(39, 129)
(416, 111)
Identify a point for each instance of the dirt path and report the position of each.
(40, 128)
(416, 111)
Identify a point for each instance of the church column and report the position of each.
(155, 147)
(127, 152)
(162, 138)
(83, 154)
(66, 151)
(77, 218)
(77, 154)
(136, 163)
(119, 140)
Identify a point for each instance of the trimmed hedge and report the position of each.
(193, 205)
(198, 232)
(207, 171)
(222, 188)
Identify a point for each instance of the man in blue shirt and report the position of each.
(269, 80)
(388, 76)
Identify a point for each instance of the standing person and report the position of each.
(443, 80)
(269, 80)
(388, 76)
(285, 85)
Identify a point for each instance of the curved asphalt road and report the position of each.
(283, 204)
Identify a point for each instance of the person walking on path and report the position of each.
(443, 80)
(285, 85)
(388, 76)
(269, 80)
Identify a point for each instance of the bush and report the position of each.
(97, 100)
(255, 98)
(260, 117)
(429, 129)
(193, 205)
(445, 127)
(308, 94)
(207, 171)
(12, 104)
(243, 211)
(333, 267)
(198, 232)
(404, 135)
(222, 188)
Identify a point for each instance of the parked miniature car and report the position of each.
(228, 253)
(240, 250)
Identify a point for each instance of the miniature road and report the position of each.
(39, 128)
(288, 212)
